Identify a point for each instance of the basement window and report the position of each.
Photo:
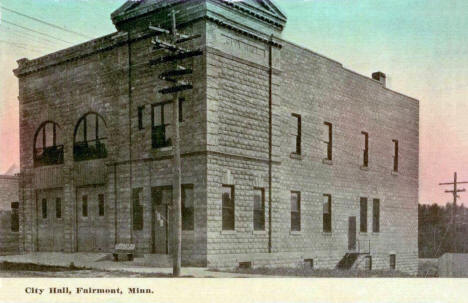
(14, 216)
(328, 140)
(327, 213)
(245, 265)
(365, 152)
(295, 211)
(309, 263)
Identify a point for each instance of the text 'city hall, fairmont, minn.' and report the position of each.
(287, 157)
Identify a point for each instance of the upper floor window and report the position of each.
(365, 154)
(329, 140)
(395, 155)
(297, 134)
(90, 138)
(48, 146)
(161, 120)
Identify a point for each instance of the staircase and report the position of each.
(347, 261)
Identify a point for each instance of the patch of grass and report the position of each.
(428, 268)
(321, 273)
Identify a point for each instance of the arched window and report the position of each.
(90, 138)
(48, 146)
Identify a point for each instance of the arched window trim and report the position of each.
(51, 155)
(81, 147)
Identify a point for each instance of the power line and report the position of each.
(28, 35)
(23, 44)
(46, 23)
(32, 30)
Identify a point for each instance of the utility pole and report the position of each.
(173, 76)
(455, 192)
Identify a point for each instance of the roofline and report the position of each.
(345, 68)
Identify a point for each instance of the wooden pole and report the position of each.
(176, 182)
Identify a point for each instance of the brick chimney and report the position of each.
(379, 76)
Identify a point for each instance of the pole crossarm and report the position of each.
(458, 191)
(464, 182)
(176, 57)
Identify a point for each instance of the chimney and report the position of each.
(379, 76)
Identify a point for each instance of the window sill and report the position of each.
(228, 232)
(295, 232)
(395, 173)
(259, 232)
(327, 233)
(327, 161)
(295, 156)
(364, 168)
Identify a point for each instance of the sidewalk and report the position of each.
(99, 261)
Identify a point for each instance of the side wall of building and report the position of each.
(320, 90)
(9, 238)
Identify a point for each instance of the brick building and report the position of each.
(9, 215)
(287, 156)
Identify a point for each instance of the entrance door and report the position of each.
(50, 226)
(91, 219)
(161, 212)
(352, 233)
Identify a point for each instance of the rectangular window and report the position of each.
(182, 105)
(44, 208)
(363, 215)
(365, 156)
(228, 207)
(84, 206)
(140, 116)
(327, 213)
(101, 205)
(187, 207)
(259, 209)
(161, 118)
(392, 261)
(14, 216)
(395, 155)
(295, 211)
(298, 134)
(137, 209)
(376, 216)
(329, 141)
(58, 208)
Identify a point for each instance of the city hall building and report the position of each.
(288, 158)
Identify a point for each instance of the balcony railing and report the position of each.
(158, 137)
(50, 155)
(89, 150)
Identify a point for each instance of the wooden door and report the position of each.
(352, 233)
(91, 219)
(161, 201)
(50, 222)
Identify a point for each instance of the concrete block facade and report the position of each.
(9, 213)
(238, 130)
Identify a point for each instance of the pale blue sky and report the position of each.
(420, 45)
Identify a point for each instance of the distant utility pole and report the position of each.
(455, 192)
(173, 76)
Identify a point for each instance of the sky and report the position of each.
(420, 44)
